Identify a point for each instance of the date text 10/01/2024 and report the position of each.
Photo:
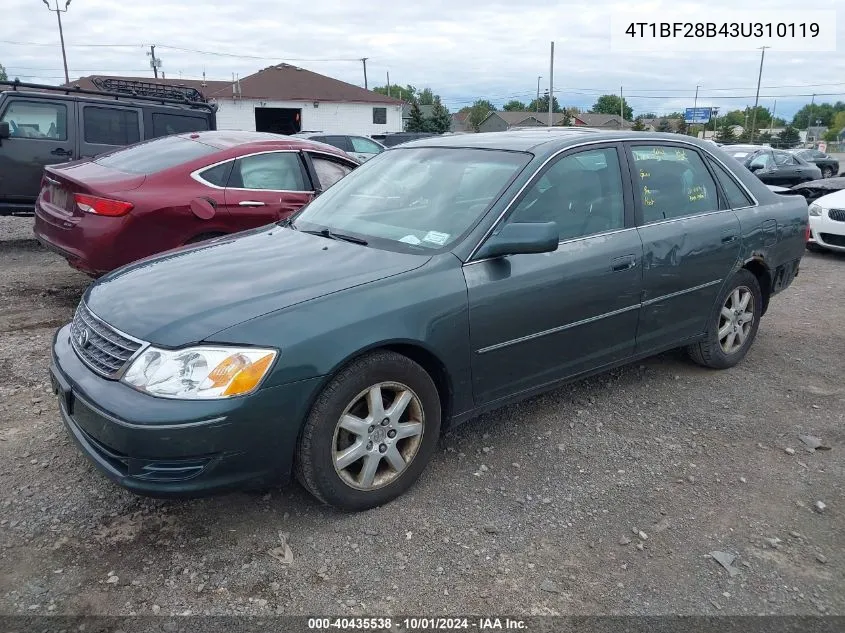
(416, 624)
(724, 29)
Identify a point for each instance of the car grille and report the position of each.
(100, 346)
(837, 214)
(833, 240)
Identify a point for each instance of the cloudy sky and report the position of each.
(463, 50)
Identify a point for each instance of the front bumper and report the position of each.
(826, 232)
(163, 447)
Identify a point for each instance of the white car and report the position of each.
(827, 222)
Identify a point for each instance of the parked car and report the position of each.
(47, 125)
(827, 223)
(773, 166)
(338, 345)
(105, 212)
(815, 189)
(392, 139)
(359, 147)
(827, 163)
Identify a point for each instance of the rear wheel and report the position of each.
(827, 172)
(370, 433)
(733, 324)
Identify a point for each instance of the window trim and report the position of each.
(42, 103)
(197, 173)
(105, 106)
(621, 139)
(708, 160)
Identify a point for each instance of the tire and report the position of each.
(362, 440)
(713, 352)
(827, 172)
(816, 248)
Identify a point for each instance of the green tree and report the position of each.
(407, 93)
(647, 115)
(544, 105)
(663, 125)
(765, 138)
(838, 122)
(426, 96)
(440, 120)
(478, 112)
(416, 122)
(638, 124)
(825, 113)
(789, 137)
(3, 75)
(514, 106)
(832, 135)
(725, 133)
(565, 120)
(609, 104)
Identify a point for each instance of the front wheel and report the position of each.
(733, 325)
(827, 172)
(370, 433)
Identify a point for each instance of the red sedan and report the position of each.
(116, 208)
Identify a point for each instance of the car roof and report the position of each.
(545, 140)
(230, 139)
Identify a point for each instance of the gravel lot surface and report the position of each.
(606, 496)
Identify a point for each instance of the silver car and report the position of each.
(359, 147)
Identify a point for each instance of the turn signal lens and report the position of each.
(248, 378)
(102, 206)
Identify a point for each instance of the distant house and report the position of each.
(651, 125)
(460, 122)
(426, 110)
(601, 121)
(286, 99)
(505, 120)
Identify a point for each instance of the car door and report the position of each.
(538, 318)
(39, 136)
(764, 167)
(363, 148)
(691, 242)
(105, 128)
(266, 187)
(789, 170)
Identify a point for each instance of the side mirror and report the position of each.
(757, 167)
(5, 132)
(519, 238)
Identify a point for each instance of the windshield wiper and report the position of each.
(338, 236)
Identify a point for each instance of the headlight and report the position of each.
(199, 373)
(815, 209)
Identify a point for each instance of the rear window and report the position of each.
(165, 124)
(155, 156)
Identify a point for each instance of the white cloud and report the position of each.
(463, 50)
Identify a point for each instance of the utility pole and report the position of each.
(155, 62)
(551, 82)
(809, 114)
(621, 110)
(715, 114)
(757, 98)
(539, 77)
(695, 103)
(388, 83)
(772, 122)
(58, 13)
(364, 60)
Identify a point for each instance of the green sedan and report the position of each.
(443, 278)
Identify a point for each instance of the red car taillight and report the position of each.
(807, 234)
(102, 206)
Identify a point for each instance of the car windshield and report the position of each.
(422, 198)
(156, 155)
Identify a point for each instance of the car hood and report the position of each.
(188, 294)
(834, 200)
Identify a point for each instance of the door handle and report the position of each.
(61, 152)
(251, 203)
(623, 263)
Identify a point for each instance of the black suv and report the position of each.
(44, 125)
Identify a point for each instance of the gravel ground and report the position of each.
(605, 496)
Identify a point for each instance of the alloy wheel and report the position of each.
(736, 319)
(378, 435)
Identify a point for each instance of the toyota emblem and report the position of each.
(82, 338)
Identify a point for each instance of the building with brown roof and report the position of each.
(286, 99)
